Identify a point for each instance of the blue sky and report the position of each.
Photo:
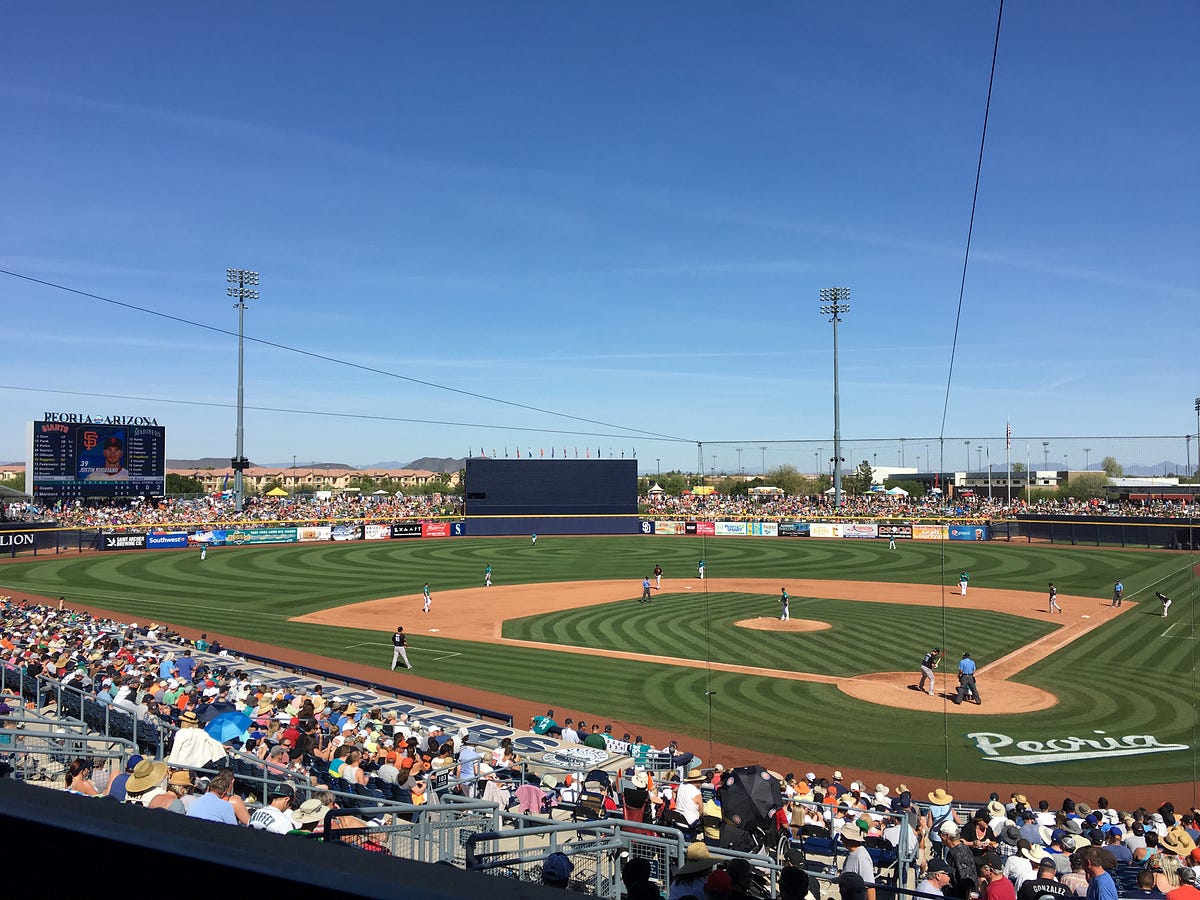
(622, 212)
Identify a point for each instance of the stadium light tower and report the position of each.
(834, 302)
(1045, 454)
(1087, 452)
(764, 453)
(241, 288)
(1198, 431)
(967, 444)
(740, 469)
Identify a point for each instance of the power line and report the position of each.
(962, 286)
(337, 360)
(971, 222)
(317, 412)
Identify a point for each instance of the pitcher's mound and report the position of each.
(773, 624)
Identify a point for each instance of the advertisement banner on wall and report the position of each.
(731, 528)
(895, 530)
(373, 531)
(769, 529)
(406, 529)
(792, 529)
(313, 533)
(347, 532)
(122, 541)
(668, 528)
(647, 526)
(706, 528)
(928, 532)
(259, 536)
(823, 529)
(689, 527)
(968, 532)
(166, 540)
(860, 530)
(435, 529)
(11, 541)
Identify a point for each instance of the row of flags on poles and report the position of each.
(587, 453)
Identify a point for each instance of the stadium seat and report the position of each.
(1126, 877)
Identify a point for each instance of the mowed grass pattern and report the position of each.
(864, 637)
(1125, 678)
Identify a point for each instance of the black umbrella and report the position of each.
(750, 797)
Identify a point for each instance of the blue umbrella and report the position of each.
(228, 726)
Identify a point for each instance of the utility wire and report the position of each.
(333, 359)
(971, 223)
(318, 412)
(962, 286)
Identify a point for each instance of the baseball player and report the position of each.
(487, 576)
(783, 602)
(1166, 602)
(1054, 607)
(700, 568)
(399, 648)
(428, 598)
(963, 578)
(203, 552)
(931, 661)
(658, 578)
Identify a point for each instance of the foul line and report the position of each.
(442, 654)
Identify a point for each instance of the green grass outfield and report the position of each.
(1131, 676)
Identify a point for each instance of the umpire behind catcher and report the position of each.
(966, 681)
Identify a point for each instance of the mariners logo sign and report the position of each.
(1004, 749)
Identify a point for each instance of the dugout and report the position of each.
(551, 496)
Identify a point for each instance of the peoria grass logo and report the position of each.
(995, 748)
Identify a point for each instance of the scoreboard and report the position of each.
(101, 458)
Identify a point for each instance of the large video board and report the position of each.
(80, 457)
(547, 487)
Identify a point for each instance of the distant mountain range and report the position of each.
(1158, 469)
(427, 463)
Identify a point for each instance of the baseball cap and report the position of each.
(281, 790)
(937, 865)
(557, 867)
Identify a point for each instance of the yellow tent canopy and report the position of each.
(276, 492)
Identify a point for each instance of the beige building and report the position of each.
(318, 478)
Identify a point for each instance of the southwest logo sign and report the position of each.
(1066, 749)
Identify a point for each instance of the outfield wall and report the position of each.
(1121, 531)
